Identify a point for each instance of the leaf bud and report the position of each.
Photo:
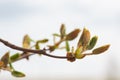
(72, 35)
(92, 42)
(100, 49)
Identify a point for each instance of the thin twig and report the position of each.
(10, 45)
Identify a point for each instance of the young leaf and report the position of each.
(26, 41)
(55, 34)
(37, 46)
(72, 35)
(85, 38)
(100, 49)
(62, 31)
(67, 46)
(42, 41)
(17, 74)
(26, 44)
(78, 53)
(5, 59)
(14, 57)
(92, 43)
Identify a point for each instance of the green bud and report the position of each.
(17, 74)
(92, 42)
(14, 57)
(37, 46)
(42, 41)
(55, 34)
(78, 53)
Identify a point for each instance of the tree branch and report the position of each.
(10, 45)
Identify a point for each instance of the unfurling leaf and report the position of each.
(100, 49)
(55, 34)
(62, 31)
(78, 53)
(14, 57)
(84, 39)
(92, 43)
(70, 57)
(72, 35)
(26, 41)
(67, 46)
(5, 59)
(42, 41)
(26, 44)
(17, 74)
(37, 46)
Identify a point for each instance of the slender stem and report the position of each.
(10, 45)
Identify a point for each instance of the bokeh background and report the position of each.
(41, 18)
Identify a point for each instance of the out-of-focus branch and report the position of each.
(10, 45)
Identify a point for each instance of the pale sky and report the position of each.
(41, 18)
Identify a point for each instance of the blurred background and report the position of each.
(41, 18)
